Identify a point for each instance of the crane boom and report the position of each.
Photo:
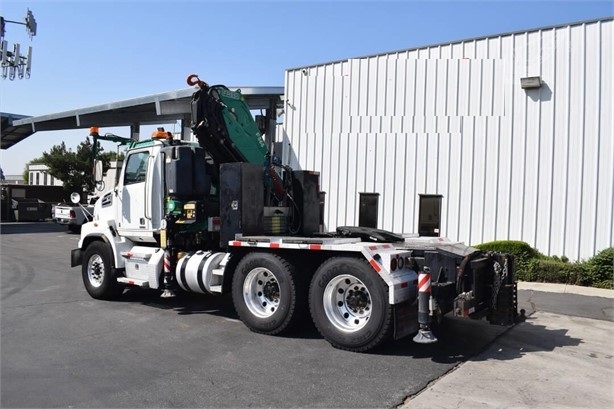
(224, 126)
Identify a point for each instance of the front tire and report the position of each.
(349, 304)
(98, 273)
(266, 293)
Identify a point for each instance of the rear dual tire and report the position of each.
(349, 304)
(348, 301)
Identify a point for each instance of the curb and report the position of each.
(566, 289)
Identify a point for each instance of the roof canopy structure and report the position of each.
(153, 109)
(13, 133)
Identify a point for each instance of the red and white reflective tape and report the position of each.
(375, 265)
(424, 282)
(380, 247)
(236, 243)
(167, 261)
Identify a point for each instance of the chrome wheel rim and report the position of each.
(261, 292)
(347, 303)
(95, 270)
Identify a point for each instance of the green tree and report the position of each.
(75, 168)
(111, 156)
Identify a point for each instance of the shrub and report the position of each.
(600, 269)
(523, 254)
(552, 271)
(531, 265)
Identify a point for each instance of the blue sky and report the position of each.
(93, 52)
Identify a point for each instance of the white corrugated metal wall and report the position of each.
(533, 165)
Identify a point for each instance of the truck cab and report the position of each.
(138, 204)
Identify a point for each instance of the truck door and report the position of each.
(135, 208)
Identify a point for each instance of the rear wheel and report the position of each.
(349, 304)
(98, 273)
(267, 293)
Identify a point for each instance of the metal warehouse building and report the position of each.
(503, 137)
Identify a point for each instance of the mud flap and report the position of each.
(76, 257)
(405, 319)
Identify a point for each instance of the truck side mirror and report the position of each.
(98, 171)
(98, 175)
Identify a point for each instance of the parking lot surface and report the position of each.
(61, 348)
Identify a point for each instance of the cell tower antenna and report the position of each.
(14, 63)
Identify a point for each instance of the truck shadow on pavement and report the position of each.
(527, 338)
(184, 303)
(460, 340)
(219, 305)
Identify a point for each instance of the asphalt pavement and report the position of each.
(60, 348)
